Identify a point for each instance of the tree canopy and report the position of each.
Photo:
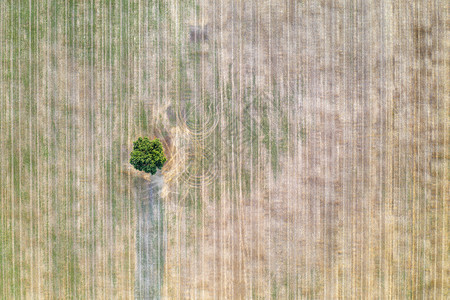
(147, 156)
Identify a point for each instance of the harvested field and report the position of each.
(307, 143)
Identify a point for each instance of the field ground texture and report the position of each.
(308, 147)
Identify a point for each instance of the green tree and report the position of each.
(147, 156)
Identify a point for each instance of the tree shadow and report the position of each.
(151, 238)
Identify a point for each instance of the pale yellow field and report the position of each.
(308, 146)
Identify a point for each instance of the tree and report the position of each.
(147, 156)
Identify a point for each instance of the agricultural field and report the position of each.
(307, 145)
